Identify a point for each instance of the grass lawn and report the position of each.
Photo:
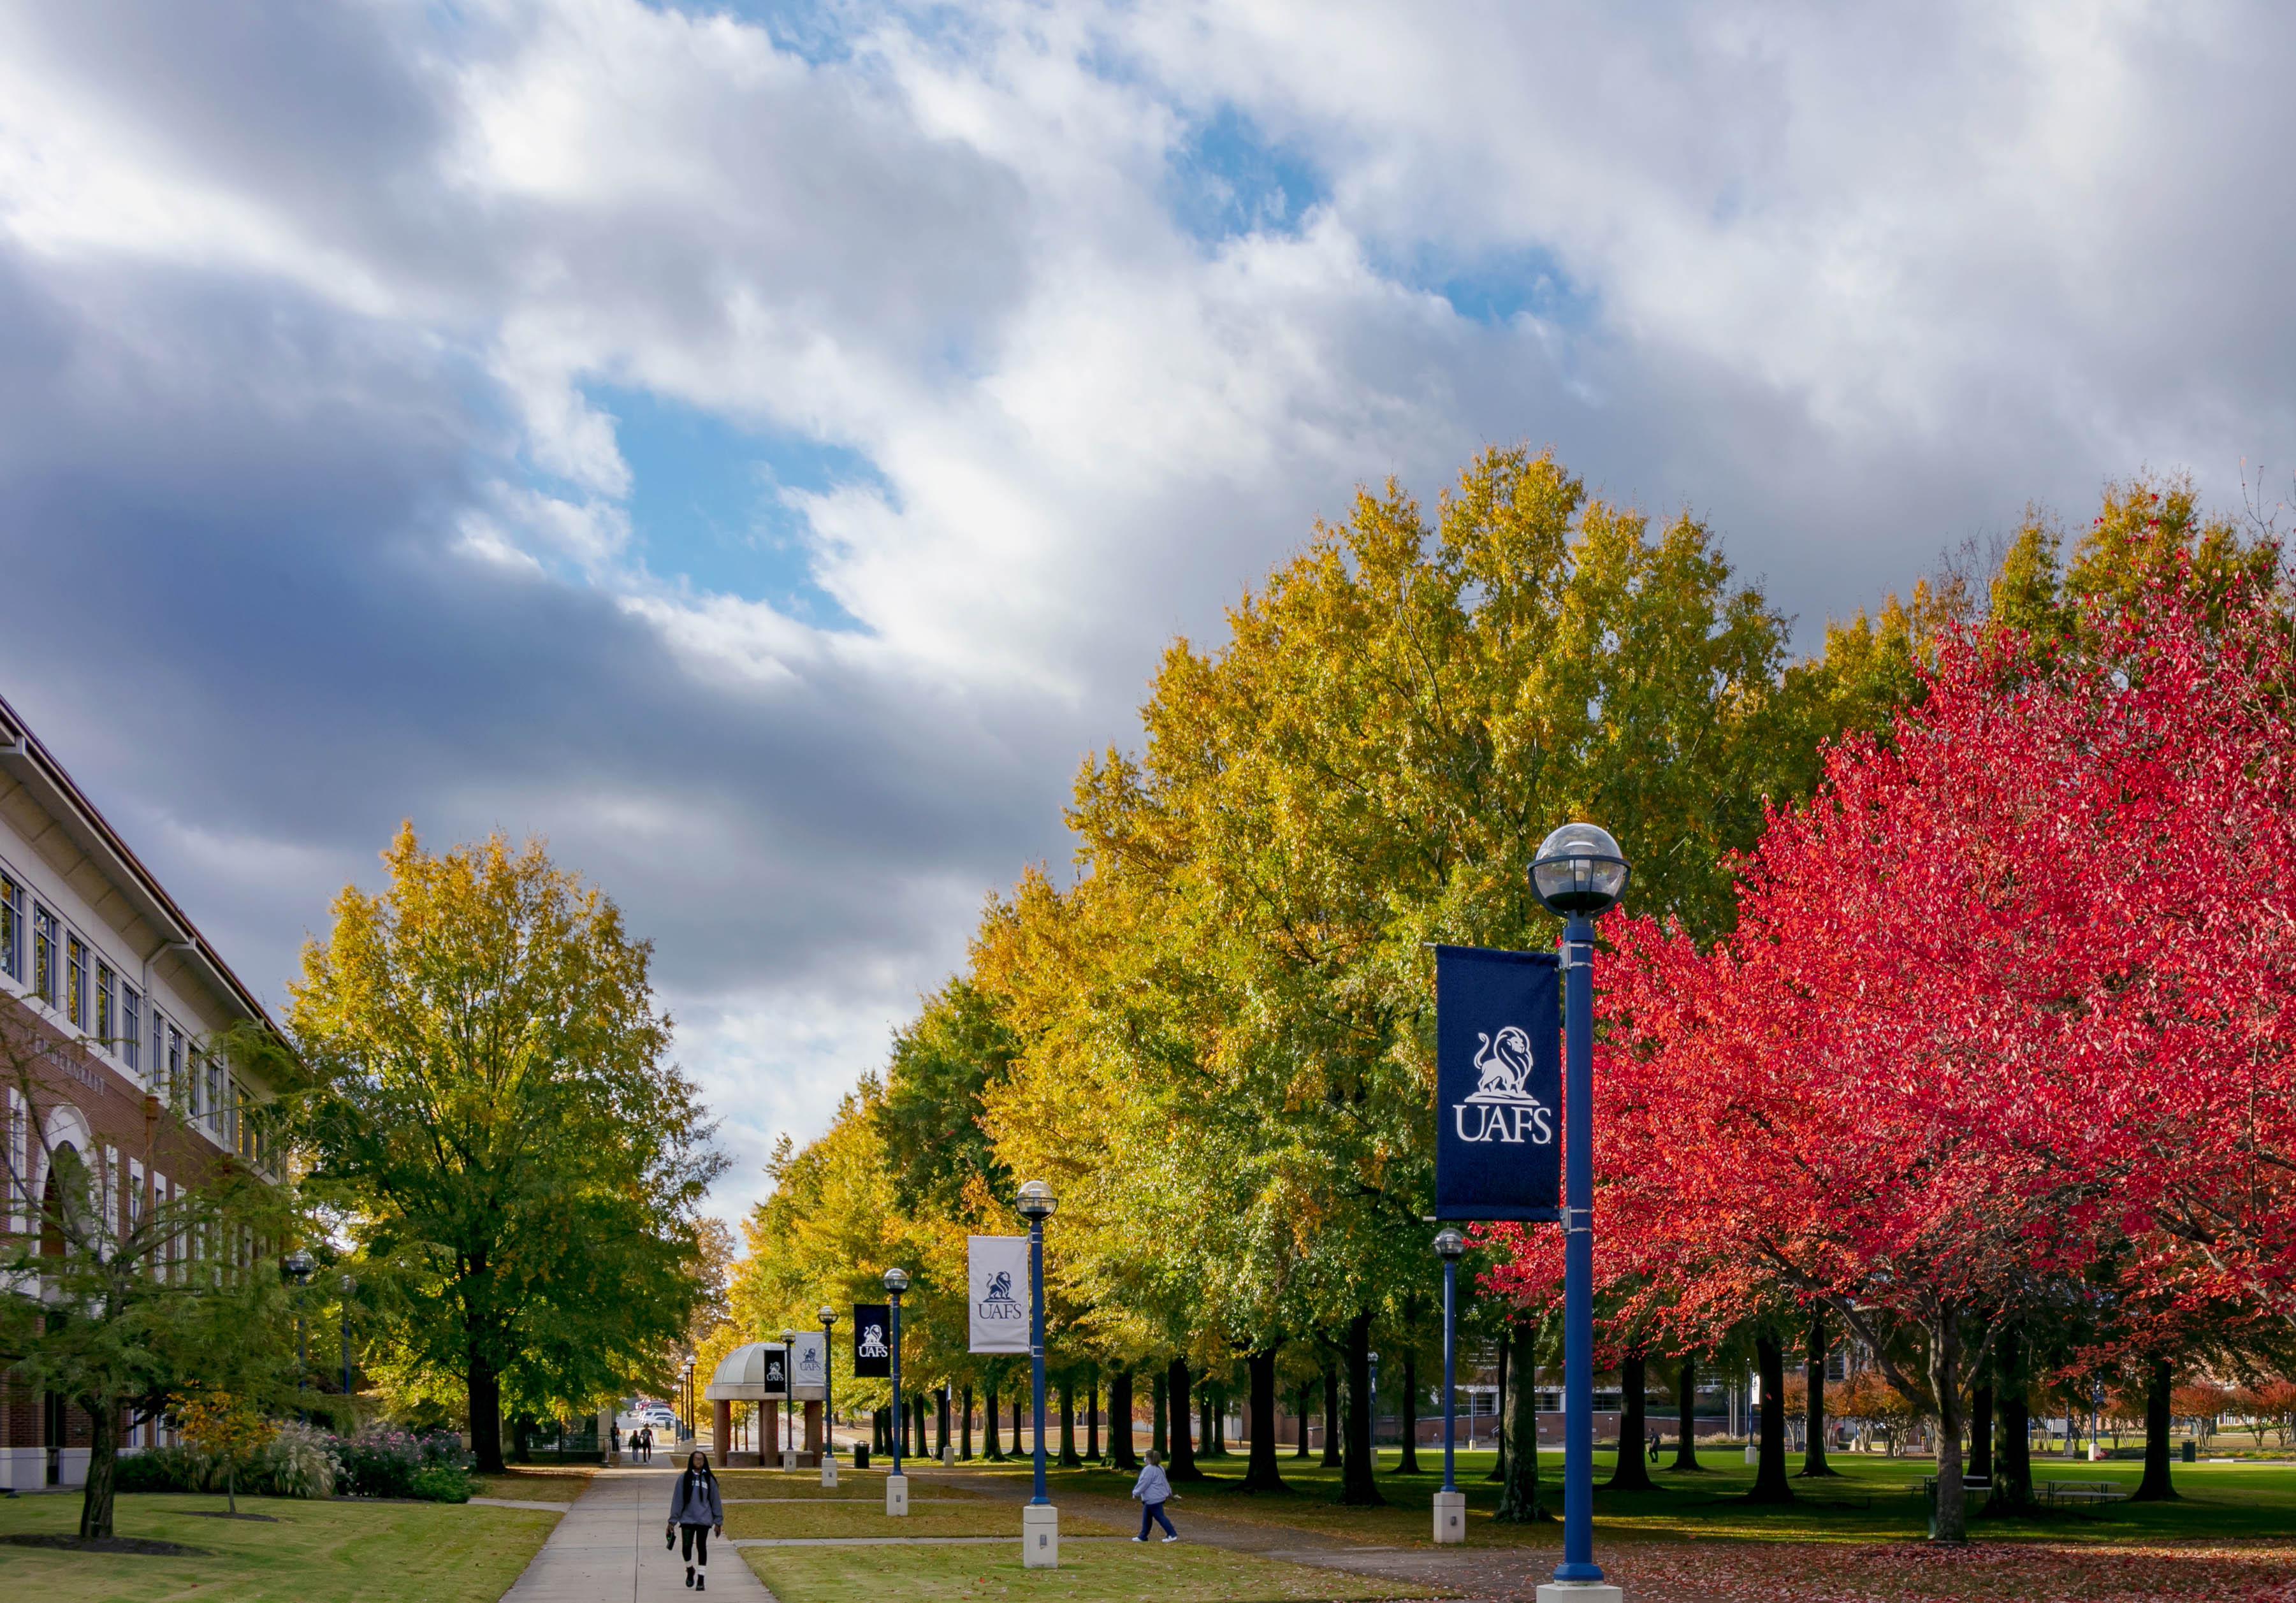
(534, 1483)
(318, 1552)
(1873, 1499)
(1099, 1572)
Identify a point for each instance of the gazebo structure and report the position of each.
(756, 1372)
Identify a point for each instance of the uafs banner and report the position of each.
(1499, 1083)
(998, 1277)
(873, 1339)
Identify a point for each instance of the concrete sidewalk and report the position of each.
(608, 1549)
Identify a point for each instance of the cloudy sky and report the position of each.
(762, 448)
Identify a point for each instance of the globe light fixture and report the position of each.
(897, 1280)
(299, 1267)
(828, 1314)
(1578, 872)
(1449, 1244)
(1035, 1201)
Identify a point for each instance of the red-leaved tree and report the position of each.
(2012, 991)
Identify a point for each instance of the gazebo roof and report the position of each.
(755, 1371)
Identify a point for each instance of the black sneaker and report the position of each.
(689, 1577)
(701, 1583)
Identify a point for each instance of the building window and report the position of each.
(214, 1096)
(11, 929)
(175, 1087)
(104, 987)
(44, 955)
(131, 1026)
(76, 981)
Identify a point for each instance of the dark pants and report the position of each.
(697, 1543)
(1155, 1511)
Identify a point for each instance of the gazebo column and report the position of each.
(812, 1460)
(721, 1433)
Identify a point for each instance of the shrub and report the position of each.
(157, 1469)
(441, 1483)
(382, 1461)
(297, 1462)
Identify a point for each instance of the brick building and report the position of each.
(109, 1001)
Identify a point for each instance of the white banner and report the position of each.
(808, 1377)
(998, 1278)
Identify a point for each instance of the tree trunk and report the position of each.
(1770, 1482)
(1121, 1455)
(1519, 1496)
(1306, 1393)
(1092, 1418)
(1182, 1464)
(940, 1424)
(1950, 1527)
(1632, 1471)
(1981, 1435)
(1499, 1468)
(1357, 1489)
(483, 1385)
(965, 1451)
(1334, 1455)
(2155, 1488)
(1208, 1441)
(1159, 1411)
(2012, 1457)
(95, 1499)
(1068, 1460)
(1262, 1472)
(1685, 1415)
(1409, 1463)
(1813, 1460)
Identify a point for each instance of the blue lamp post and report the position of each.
(1579, 874)
(1035, 1204)
(896, 1485)
(1450, 1504)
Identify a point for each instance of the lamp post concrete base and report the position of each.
(1040, 1536)
(1450, 1517)
(1580, 1592)
(896, 1495)
(828, 1470)
(948, 1456)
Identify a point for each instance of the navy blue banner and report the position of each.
(1499, 1083)
(873, 1339)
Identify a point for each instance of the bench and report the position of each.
(2063, 1492)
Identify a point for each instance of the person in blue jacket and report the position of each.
(1153, 1492)
(695, 1510)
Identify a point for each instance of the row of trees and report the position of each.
(1946, 1012)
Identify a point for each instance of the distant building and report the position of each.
(118, 996)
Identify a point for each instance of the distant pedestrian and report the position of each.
(696, 1508)
(1153, 1492)
(1654, 1444)
(617, 1429)
(645, 1444)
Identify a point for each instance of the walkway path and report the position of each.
(608, 1549)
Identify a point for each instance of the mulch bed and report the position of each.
(112, 1544)
(269, 1519)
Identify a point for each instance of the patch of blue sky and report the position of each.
(822, 31)
(1229, 179)
(1496, 288)
(706, 501)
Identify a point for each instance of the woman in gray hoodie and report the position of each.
(696, 1508)
(1154, 1491)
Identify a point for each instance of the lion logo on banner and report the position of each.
(871, 1343)
(1000, 1304)
(1502, 1066)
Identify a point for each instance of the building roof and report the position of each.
(32, 764)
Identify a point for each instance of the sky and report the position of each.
(762, 448)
